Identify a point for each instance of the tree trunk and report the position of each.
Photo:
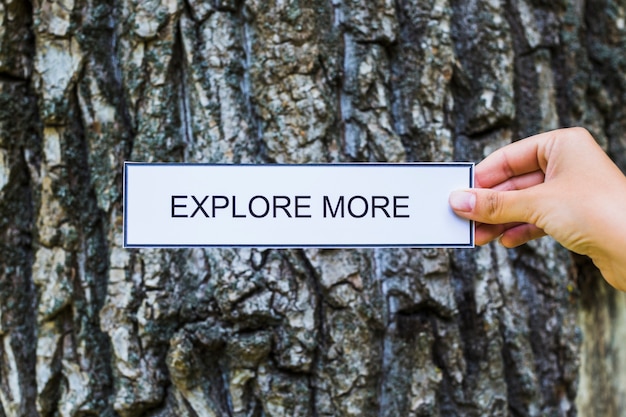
(91, 329)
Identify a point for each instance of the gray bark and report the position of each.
(89, 328)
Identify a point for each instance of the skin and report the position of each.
(559, 183)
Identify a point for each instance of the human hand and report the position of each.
(559, 183)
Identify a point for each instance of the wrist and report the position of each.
(610, 243)
(614, 272)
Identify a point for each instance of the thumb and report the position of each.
(492, 207)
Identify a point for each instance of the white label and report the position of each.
(321, 205)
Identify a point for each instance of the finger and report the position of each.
(521, 234)
(518, 158)
(485, 233)
(521, 182)
(495, 207)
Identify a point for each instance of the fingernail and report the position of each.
(462, 200)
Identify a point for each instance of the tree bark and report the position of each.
(89, 328)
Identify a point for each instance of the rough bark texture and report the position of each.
(88, 328)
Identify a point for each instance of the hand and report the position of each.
(559, 183)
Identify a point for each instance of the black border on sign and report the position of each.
(470, 165)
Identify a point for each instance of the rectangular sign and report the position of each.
(311, 205)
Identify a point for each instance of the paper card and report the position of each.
(311, 205)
